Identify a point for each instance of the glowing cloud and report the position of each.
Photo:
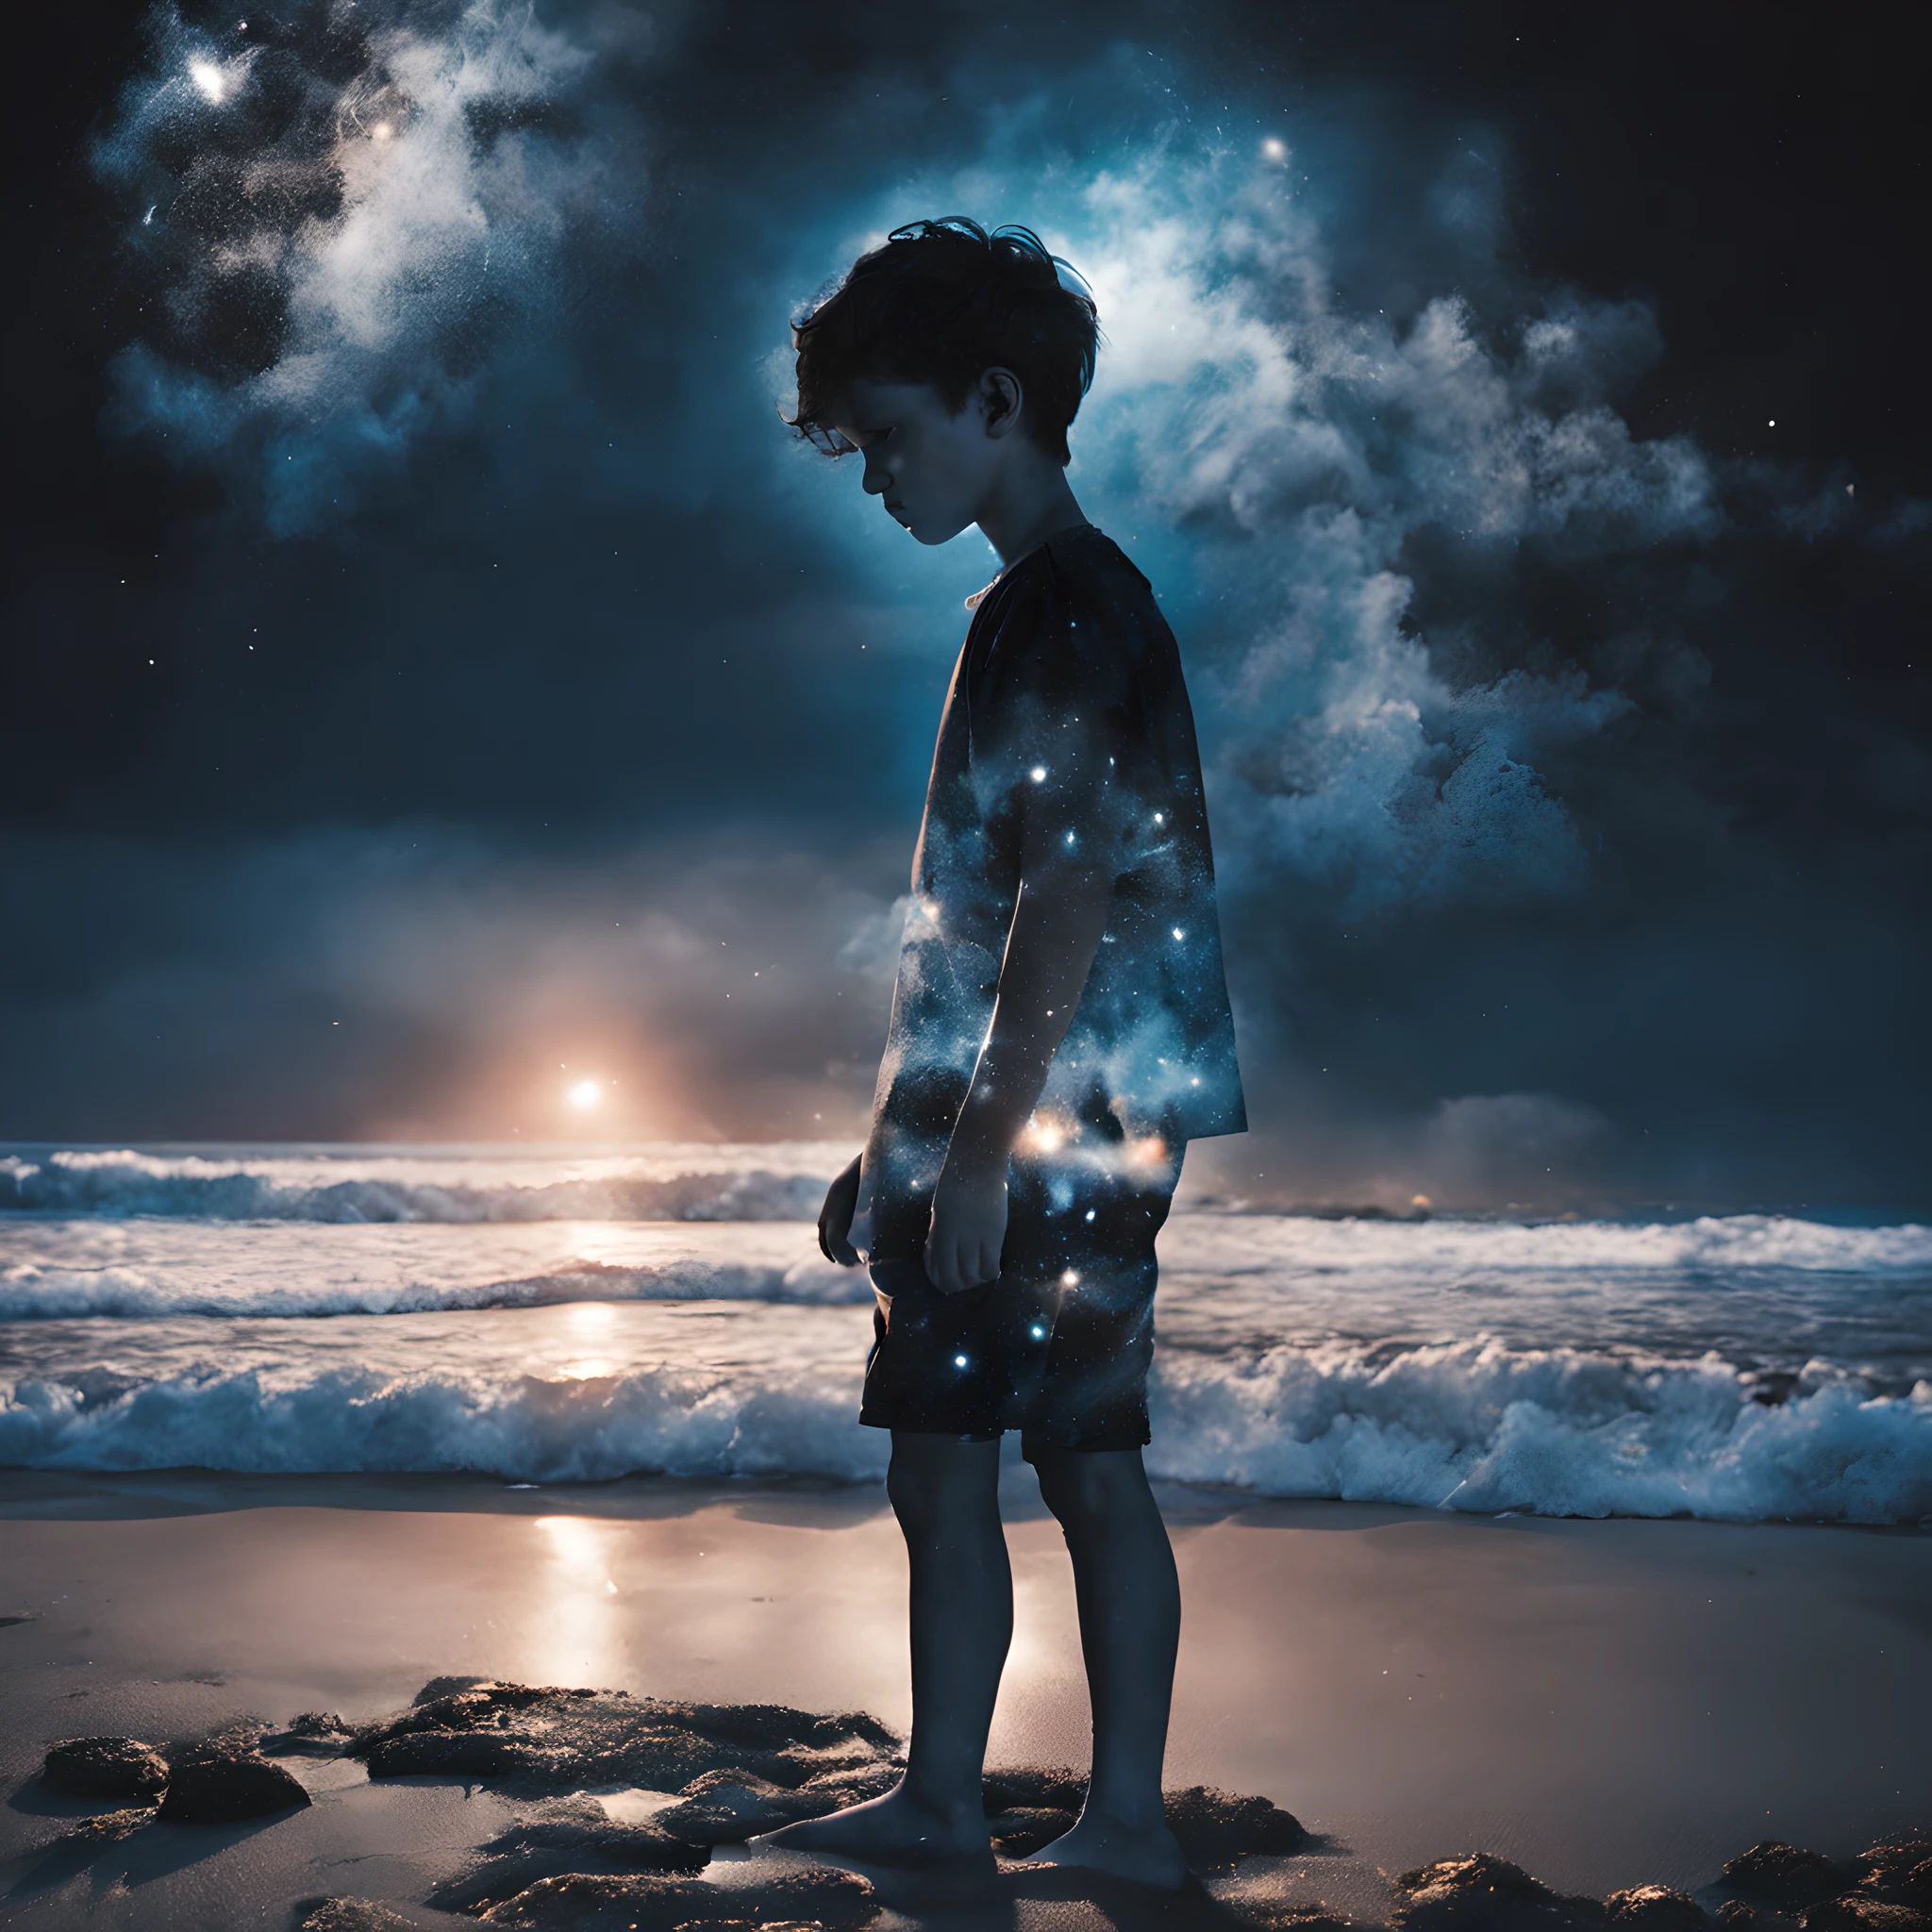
(324, 280)
(1301, 445)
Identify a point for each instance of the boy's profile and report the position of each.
(1061, 1031)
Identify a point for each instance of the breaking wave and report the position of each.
(1556, 1432)
(668, 1184)
(548, 1315)
(1468, 1426)
(40, 1293)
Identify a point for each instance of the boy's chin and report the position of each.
(932, 534)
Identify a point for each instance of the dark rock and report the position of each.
(1022, 1830)
(314, 1734)
(231, 1741)
(224, 1780)
(1285, 1915)
(578, 1902)
(856, 1787)
(109, 1828)
(1861, 1912)
(349, 1915)
(320, 1724)
(528, 1737)
(750, 1925)
(106, 1768)
(1484, 1893)
(1899, 1869)
(798, 1765)
(1782, 1875)
(438, 1688)
(480, 1707)
(1474, 1871)
(1735, 1915)
(581, 1825)
(1216, 1827)
(1053, 1786)
(569, 1835)
(773, 1726)
(1657, 1907)
(454, 1754)
(726, 1807)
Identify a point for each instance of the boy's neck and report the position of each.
(1027, 510)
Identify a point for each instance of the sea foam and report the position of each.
(1468, 1426)
(547, 1315)
(781, 1181)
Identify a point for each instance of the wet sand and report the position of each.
(1605, 1703)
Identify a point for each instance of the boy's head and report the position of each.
(955, 349)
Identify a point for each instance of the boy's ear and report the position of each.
(1001, 400)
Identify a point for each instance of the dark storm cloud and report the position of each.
(1558, 855)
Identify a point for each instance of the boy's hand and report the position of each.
(835, 1216)
(969, 1229)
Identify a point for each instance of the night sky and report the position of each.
(434, 674)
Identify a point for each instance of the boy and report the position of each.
(1060, 1029)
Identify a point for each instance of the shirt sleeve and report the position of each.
(1053, 729)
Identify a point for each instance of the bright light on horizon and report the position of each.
(585, 1094)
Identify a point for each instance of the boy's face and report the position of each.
(933, 470)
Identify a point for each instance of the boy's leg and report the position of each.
(1130, 1619)
(946, 1496)
(945, 1493)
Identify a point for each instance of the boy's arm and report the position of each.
(835, 1216)
(1056, 932)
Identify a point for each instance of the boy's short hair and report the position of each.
(941, 303)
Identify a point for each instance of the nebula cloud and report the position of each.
(338, 212)
(1279, 450)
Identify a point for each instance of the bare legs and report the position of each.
(1130, 1623)
(946, 1495)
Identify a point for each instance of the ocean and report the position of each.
(555, 1315)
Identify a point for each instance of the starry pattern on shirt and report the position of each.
(1067, 701)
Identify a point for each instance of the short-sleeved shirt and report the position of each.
(1067, 717)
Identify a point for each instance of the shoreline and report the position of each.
(29, 1493)
(1606, 1702)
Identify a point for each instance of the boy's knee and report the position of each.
(934, 1476)
(911, 1490)
(1088, 1487)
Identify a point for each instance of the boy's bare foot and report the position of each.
(893, 1830)
(1150, 1855)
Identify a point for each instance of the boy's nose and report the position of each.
(878, 479)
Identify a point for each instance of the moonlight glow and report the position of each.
(584, 1094)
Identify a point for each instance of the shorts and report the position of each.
(1057, 1347)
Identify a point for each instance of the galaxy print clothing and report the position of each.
(1059, 1346)
(1067, 701)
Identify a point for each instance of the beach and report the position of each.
(1605, 1703)
(1602, 1546)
